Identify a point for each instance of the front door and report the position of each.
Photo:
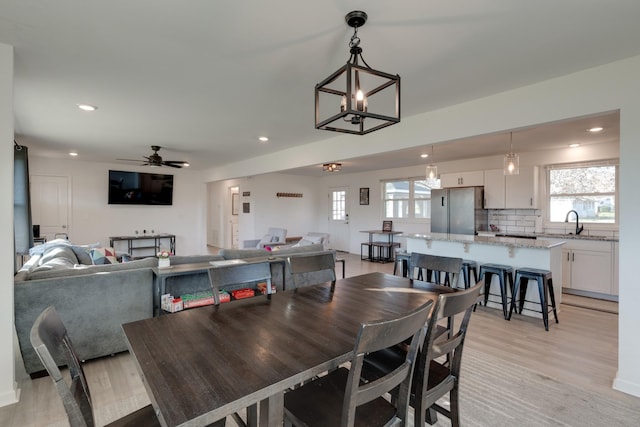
(50, 204)
(339, 219)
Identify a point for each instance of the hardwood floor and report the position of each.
(580, 350)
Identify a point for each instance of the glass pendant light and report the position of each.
(511, 160)
(432, 170)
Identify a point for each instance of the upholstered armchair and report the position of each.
(274, 237)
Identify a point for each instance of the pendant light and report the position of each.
(432, 170)
(356, 98)
(511, 160)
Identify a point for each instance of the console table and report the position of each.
(385, 249)
(147, 241)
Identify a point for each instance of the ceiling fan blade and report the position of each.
(177, 166)
(132, 160)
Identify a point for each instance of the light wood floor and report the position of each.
(580, 350)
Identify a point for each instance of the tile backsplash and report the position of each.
(516, 220)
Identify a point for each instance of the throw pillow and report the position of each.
(101, 256)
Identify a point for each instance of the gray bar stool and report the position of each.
(545, 290)
(469, 266)
(404, 258)
(504, 273)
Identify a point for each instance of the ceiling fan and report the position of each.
(156, 160)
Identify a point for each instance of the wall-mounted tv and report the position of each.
(140, 188)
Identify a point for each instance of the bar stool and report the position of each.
(403, 258)
(545, 290)
(504, 273)
(469, 266)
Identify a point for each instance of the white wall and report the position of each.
(8, 389)
(92, 219)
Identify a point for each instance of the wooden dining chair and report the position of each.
(448, 266)
(311, 269)
(238, 275)
(341, 399)
(53, 346)
(438, 364)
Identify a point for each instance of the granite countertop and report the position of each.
(488, 240)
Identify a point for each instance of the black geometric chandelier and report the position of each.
(356, 98)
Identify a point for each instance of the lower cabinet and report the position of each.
(588, 266)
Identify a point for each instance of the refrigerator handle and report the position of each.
(442, 200)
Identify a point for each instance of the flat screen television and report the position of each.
(140, 188)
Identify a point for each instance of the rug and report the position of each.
(497, 393)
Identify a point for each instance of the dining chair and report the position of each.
(435, 264)
(439, 361)
(237, 275)
(52, 344)
(311, 269)
(339, 398)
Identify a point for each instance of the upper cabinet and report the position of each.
(462, 179)
(511, 191)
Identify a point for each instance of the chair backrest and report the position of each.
(439, 264)
(436, 345)
(52, 344)
(221, 277)
(323, 265)
(374, 336)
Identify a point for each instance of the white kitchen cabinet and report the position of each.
(511, 191)
(462, 179)
(588, 266)
(615, 287)
(522, 190)
(494, 189)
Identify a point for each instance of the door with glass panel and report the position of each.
(339, 219)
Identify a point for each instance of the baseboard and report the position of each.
(626, 386)
(11, 396)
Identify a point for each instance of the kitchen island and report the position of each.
(516, 252)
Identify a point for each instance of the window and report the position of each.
(408, 198)
(338, 205)
(590, 190)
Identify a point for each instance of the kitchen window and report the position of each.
(589, 189)
(407, 199)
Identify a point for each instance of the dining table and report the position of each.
(203, 364)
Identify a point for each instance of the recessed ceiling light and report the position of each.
(596, 129)
(87, 107)
(73, 154)
(263, 139)
(574, 145)
(424, 156)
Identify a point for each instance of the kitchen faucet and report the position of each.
(579, 227)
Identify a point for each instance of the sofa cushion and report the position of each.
(79, 270)
(58, 252)
(100, 256)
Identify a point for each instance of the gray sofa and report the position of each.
(94, 300)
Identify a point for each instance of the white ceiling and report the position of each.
(204, 79)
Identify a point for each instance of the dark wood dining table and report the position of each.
(203, 364)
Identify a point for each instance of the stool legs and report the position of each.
(503, 290)
(545, 292)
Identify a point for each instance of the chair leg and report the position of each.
(524, 284)
(431, 416)
(454, 409)
(512, 307)
(503, 295)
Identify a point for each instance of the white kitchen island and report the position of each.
(516, 252)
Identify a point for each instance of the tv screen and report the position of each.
(139, 188)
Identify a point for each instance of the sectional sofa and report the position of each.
(94, 300)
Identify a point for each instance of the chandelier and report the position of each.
(356, 98)
(332, 167)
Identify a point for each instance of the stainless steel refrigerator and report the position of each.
(458, 211)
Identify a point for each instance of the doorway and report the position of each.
(50, 205)
(234, 231)
(339, 219)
